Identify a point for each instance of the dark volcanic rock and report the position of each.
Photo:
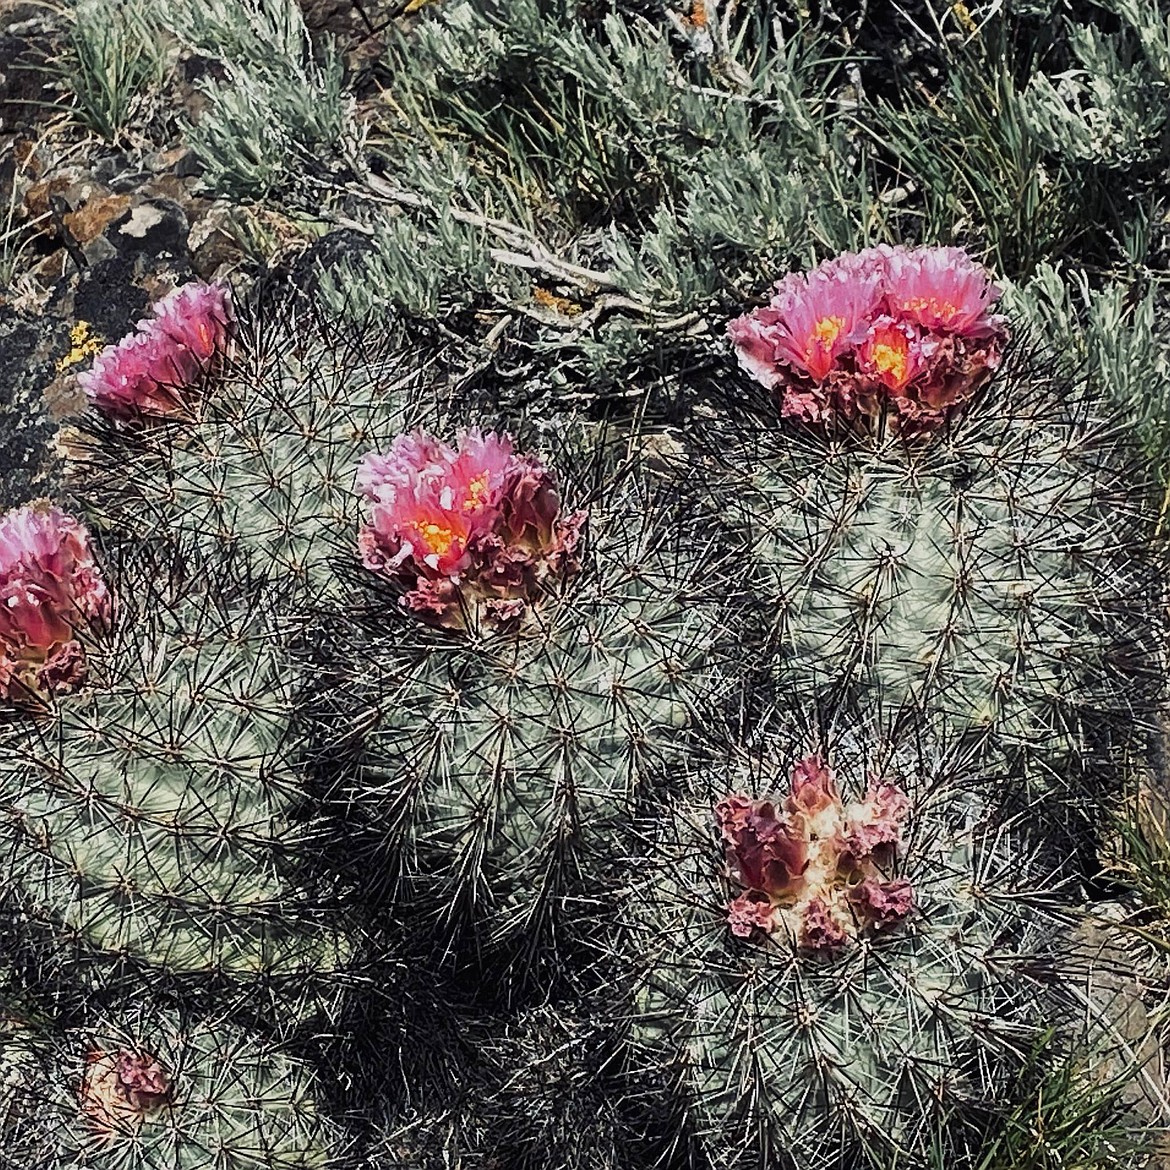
(29, 351)
(145, 254)
(324, 255)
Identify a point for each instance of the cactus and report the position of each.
(501, 766)
(154, 815)
(149, 1088)
(976, 552)
(265, 457)
(853, 1055)
(993, 576)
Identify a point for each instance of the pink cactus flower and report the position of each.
(899, 334)
(817, 870)
(821, 929)
(197, 317)
(764, 852)
(877, 821)
(476, 529)
(811, 321)
(151, 371)
(813, 789)
(891, 353)
(941, 290)
(748, 913)
(882, 903)
(119, 1089)
(51, 592)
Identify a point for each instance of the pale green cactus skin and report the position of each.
(857, 1059)
(991, 576)
(152, 814)
(504, 767)
(237, 1102)
(268, 467)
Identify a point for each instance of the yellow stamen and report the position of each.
(828, 329)
(476, 490)
(944, 310)
(891, 360)
(437, 538)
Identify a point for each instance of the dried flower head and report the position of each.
(901, 334)
(815, 866)
(149, 372)
(119, 1089)
(474, 529)
(51, 592)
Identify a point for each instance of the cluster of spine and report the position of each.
(359, 688)
(859, 1055)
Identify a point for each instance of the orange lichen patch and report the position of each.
(562, 305)
(82, 345)
(92, 218)
(698, 15)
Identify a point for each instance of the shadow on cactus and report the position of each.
(151, 1089)
(533, 1092)
(156, 814)
(262, 456)
(888, 980)
(503, 753)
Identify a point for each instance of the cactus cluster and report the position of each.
(379, 706)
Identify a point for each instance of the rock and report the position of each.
(26, 36)
(92, 218)
(324, 255)
(109, 168)
(145, 254)
(29, 351)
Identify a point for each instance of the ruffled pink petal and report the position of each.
(50, 590)
(147, 372)
(813, 789)
(876, 822)
(820, 928)
(750, 912)
(764, 851)
(882, 903)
